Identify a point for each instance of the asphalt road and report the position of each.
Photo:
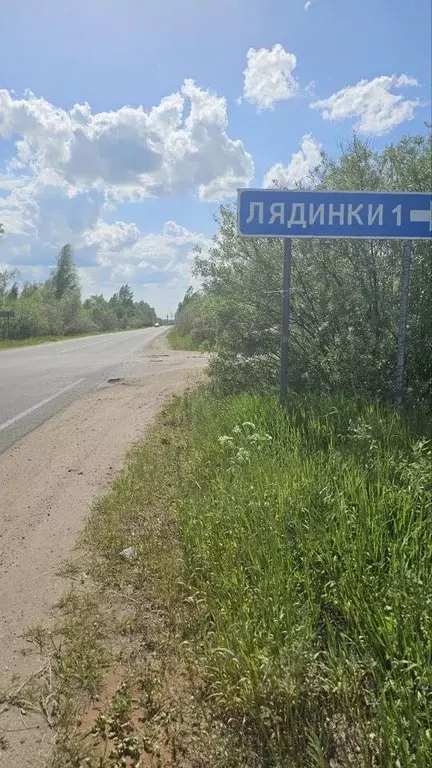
(36, 382)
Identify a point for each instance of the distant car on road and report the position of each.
(156, 325)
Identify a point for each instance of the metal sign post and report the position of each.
(402, 325)
(286, 313)
(335, 214)
(7, 315)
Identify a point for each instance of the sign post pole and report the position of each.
(7, 315)
(402, 325)
(286, 311)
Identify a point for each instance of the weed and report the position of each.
(179, 341)
(38, 635)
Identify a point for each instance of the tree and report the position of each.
(64, 277)
(101, 313)
(30, 288)
(122, 303)
(125, 297)
(189, 295)
(144, 315)
(6, 276)
(14, 292)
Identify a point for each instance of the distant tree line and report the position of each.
(55, 307)
(345, 294)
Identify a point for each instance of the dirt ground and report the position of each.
(47, 482)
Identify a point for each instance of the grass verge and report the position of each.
(279, 583)
(34, 341)
(180, 342)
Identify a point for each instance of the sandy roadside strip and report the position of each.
(47, 481)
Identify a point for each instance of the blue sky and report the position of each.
(135, 188)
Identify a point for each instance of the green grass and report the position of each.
(304, 547)
(12, 343)
(289, 553)
(180, 342)
(308, 546)
(34, 340)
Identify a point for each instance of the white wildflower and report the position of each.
(255, 437)
(225, 440)
(243, 456)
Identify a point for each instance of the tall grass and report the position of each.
(307, 539)
(182, 342)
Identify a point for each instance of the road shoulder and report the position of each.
(48, 481)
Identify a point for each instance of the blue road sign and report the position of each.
(296, 213)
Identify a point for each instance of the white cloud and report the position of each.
(130, 153)
(124, 271)
(268, 77)
(173, 248)
(123, 249)
(372, 101)
(69, 170)
(18, 208)
(298, 170)
(108, 239)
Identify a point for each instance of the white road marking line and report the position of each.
(39, 405)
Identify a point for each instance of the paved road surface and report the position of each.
(36, 382)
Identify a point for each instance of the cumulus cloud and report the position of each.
(299, 169)
(172, 249)
(372, 101)
(268, 77)
(123, 248)
(130, 153)
(118, 250)
(109, 238)
(69, 171)
(18, 205)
